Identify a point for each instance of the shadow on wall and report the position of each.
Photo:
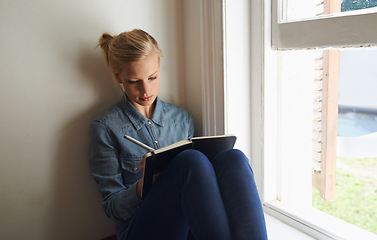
(76, 209)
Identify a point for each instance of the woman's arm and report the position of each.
(119, 200)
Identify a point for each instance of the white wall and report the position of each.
(53, 83)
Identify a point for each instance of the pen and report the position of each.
(138, 142)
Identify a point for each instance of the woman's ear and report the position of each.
(117, 77)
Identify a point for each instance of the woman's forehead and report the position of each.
(142, 68)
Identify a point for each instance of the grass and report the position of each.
(356, 193)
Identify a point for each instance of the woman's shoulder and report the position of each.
(115, 113)
(174, 110)
(177, 116)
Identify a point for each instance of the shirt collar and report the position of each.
(138, 119)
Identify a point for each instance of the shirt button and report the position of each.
(135, 169)
(156, 141)
(149, 122)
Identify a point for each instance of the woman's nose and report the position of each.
(145, 88)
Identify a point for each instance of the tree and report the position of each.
(350, 5)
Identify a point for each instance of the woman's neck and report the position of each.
(147, 111)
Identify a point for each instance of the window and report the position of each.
(273, 116)
(301, 68)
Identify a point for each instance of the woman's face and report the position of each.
(141, 82)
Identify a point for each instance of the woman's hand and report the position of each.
(139, 186)
(142, 163)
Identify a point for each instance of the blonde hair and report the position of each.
(129, 46)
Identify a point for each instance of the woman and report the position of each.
(192, 197)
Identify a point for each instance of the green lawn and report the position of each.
(356, 193)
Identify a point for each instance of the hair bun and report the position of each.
(107, 36)
(105, 40)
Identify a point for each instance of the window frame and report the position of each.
(348, 29)
(267, 35)
(340, 30)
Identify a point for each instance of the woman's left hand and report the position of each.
(139, 186)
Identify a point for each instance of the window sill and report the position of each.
(277, 230)
(315, 223)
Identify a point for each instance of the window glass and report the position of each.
(355, 198)
(328, 102)
(298, 9)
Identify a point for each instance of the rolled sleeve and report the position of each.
(125, 203)
(119, 199)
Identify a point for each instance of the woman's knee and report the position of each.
(193, 167)
(192, 159)
(232, 157)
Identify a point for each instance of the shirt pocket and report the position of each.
(131, 171)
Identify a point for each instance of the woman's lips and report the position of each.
(146, 99)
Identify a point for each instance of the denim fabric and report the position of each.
(114, 161)
(213, 200)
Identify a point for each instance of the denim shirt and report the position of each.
(114, 161)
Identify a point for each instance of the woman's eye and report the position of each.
(152, 78)
(132, 82)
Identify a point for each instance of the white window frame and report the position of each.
(213, 70)
(341, 30)
(266, 35)
(347, 29)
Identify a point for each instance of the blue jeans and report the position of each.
(206, 200)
